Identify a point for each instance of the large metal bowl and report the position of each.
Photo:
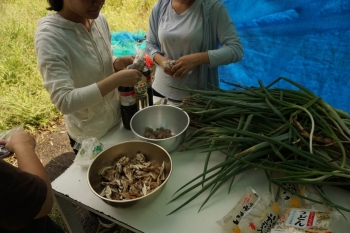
(156, 116)
(129, 149)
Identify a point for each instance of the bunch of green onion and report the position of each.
(292, 132)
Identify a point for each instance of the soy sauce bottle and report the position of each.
(128, 104)
(147, 73)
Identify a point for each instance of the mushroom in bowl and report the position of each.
(128, 172)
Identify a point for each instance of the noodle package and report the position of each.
(309, 191)
(284, 194)
(230, 221)
(260, 218)
(289, 195)
(298, 220)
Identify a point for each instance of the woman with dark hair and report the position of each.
(55, 5)
(80, 73)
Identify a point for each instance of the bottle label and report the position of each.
(127, 98)
(149, 80)
(141, 86)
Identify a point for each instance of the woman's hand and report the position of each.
(129, 77)
(122, 62)
(167, 67)
(126, 78)
(162, 62)
(20, 140)
(23, 144)
(188, 62)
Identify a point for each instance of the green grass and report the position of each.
(23, 99)
(127, 15)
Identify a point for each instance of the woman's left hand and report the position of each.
(188, 62)
(122, 62)
(183, 65)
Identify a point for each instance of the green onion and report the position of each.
(292, 132)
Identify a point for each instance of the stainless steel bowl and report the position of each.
(108, 157)
(156, 116)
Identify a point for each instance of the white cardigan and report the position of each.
(71, 61)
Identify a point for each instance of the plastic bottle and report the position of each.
(147, 73)
(128, 104)
(141, 93)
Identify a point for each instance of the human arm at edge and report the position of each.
(23, 145)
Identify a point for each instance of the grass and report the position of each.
(24, 101)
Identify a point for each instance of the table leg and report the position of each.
(69, 215)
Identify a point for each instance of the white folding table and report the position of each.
(151, 215)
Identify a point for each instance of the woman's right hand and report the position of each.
(167, 67)
(125, 78)
(129, 77)
(162, 61)
(20, 139)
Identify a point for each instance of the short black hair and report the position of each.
(55, 5)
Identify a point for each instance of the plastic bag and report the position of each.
(311, 192)
(299, 220)
(139, 61)
(6, 135)
(89, 148)
(169, 63)
(162, 101)
(261, 217)
(234, 216)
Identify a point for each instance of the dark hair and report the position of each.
(55, 5)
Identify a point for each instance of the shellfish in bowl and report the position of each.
(155, 117)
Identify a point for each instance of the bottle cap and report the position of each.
(146, 72)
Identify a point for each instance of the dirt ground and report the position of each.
(54, 150)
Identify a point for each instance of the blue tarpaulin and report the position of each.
(307, 41)
(125, 43)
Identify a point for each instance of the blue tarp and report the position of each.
(307, 41)
(125, 43)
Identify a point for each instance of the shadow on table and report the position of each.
(59, 164)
